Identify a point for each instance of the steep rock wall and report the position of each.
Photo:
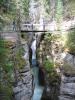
(24, 88)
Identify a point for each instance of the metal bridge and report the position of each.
(38, 28)
(29, 28)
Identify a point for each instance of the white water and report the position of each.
(33, 47)
(38, 90)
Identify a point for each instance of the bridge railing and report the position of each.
(65, 25)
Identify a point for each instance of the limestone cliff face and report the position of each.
(51, 83)
(24, 88)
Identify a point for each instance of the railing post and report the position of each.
(44, 28)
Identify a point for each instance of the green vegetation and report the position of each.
(47, 42)
(59, 11)
(72, 7)
(20, 61)
(26, 8)
(8, 8)
(49, 65)
(10, 60)
(7, 67)
(47, 6)
(48, 37)
(6, 91)
(51, 73)
(69, 7)
(70, 43)
(7, 12)
(12, 10)
(57, 36)
(3, 53)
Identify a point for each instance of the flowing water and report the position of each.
(38, 90)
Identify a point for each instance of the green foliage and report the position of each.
(7, 5)
(49, 65)
(5, 62)
(8, 67)
(19, 59)
(47, 6)
(48, 37)
(5, 72)
(69, 8)
(26, 7)
(5, 92)
(70, 43)
(8, 9)
(7, 12)
(59, 11)
(52, 75)
(3, 52)
(56, 37)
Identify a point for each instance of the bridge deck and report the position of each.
(33, 31)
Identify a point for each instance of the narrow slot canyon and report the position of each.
(37, 49)
(37, 72)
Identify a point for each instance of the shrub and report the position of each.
(51, 73)
(49, 65)
(70, 44)
(5, 92)
(19, 59)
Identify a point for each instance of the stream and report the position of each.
(38, 90)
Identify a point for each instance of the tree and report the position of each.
(59, 11)
(5, 72)
(70, 43)
(26, 5)
(7, 11)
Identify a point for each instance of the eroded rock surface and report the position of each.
(67, 87)
(24, 88)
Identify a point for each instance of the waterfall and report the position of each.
(33, 47)
(38, 90)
